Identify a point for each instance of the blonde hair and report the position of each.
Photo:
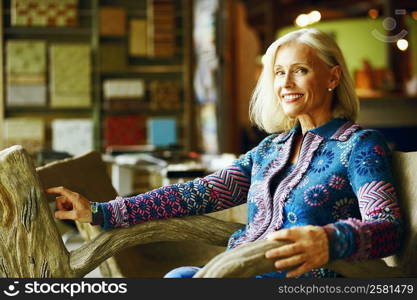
(265, 110)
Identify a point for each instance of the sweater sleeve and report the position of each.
(379, 232)
(225, 188)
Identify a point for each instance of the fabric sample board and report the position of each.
(44, 13)
(113, 57)
(26, 73)
(123, 88)
(26, 95)
(162, 131)
(125, 130)
(112, 21)
(74, 136)
(25, 56)
(161, 28)
(28, 132)
(70, 75)
(138, 37)
(164, 95)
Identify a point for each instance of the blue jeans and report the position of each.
(189, 272)
(182, 272)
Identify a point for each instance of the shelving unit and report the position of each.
(172, 68)
(80, 34)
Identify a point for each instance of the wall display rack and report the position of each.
(96, 60)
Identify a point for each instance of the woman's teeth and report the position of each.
(292, 96)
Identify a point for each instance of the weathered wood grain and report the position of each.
(195, 228)
(30, 242)
(249, 260)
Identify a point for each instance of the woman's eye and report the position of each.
(279, 73)
(301, 71)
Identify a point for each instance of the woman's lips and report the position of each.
(288, 98)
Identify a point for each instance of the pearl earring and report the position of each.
(329, 89)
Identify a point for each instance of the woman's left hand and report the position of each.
(309, 249)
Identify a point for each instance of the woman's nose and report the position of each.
(288, 81)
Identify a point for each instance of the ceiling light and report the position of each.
(308, 19)
(302, 20)
(314, 16)
(402, 44)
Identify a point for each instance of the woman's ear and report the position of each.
(335, 74)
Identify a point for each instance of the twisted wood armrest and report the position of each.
(249, 260)
(194, 228)
(245, 261)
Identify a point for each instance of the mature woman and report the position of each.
(323, 183)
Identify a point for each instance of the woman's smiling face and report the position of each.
(302, 80)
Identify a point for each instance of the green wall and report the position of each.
(354, 37)
(412, 39)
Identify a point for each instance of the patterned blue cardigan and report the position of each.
(342, 181)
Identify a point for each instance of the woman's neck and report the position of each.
(308, 122)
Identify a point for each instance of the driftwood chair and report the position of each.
(30, 244)
(87, 175)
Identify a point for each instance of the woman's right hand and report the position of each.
(71, 205)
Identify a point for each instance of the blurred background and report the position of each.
(162, 87)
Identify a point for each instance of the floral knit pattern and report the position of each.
(380, 222)
(223, 189)
(323, 161)
(342, 182)
(337, 182)
(316, 195)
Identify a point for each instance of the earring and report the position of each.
(329, 89)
